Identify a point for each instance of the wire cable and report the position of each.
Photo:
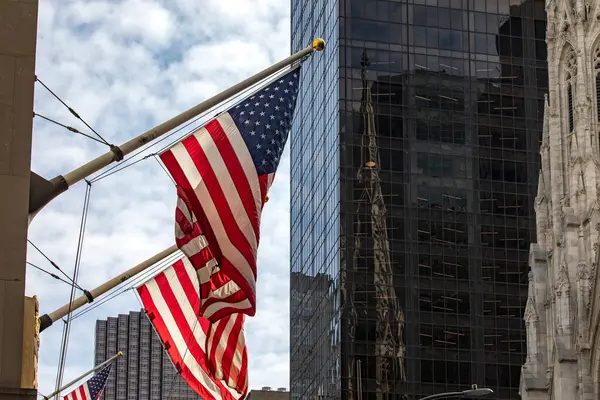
(75, 114)
(70, 128)
(55, 266)
(132, 284)
(67, 325)
(49, 273)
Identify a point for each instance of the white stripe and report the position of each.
(87, 392)
(186, 212)
(178, 340)
(194, 246)
(221, 344)
(213, 308)
(241, 151)
(229, 250)
(192, 321)
(225, 181)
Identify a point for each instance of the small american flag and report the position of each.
(92, 389)
(224, 171)
(211, 357)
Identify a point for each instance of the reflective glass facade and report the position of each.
(415, 159)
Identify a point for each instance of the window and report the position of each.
(570, 76)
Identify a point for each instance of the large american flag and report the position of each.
(211, 357)
(224, 171)
(91, 389)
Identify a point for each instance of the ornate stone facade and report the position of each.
(562, 315)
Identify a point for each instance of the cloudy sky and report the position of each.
(125, 66)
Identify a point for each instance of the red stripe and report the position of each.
(227, 267)
(82, 393)
(213, 186)
(163, 333)
(232, 162)
(230, 350)
(215, 338)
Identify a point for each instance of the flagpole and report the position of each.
(61, 183)
(100, 366)
(47, 320)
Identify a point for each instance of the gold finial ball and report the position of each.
(319, 44)
(120, 354)
(266, 199)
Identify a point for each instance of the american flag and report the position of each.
(92, 389)
(224, 171)
(211, 357)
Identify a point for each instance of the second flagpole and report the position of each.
(47, 320)
(61, 183)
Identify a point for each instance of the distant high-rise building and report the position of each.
(267, 394)
(145, 372)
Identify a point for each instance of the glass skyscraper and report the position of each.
(414, 170)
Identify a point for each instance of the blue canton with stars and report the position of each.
(98, 381)
(265, 118)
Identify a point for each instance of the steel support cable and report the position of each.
(55, 266)
(67, 127)
(73, 112)
(67, 325)
(48, 273)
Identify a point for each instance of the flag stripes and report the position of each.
(211, 357)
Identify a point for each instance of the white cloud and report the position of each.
(127, 66)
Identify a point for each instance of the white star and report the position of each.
(272, 141)
(267, 105)
(262, 113)
(277, 108)
(285, 91)
(263, 162)
(257, 103)
(257, 123)
(258, 146)
(261, 96)
(246, 122)
(281, 99)
(281, 81)
(272, 96)
(252, 98)
(291, 83)
(263, 136)
(276, 88)
(252, 133)
(251, 112)
(272, 117)
(242, 113)
(268, 151)
(268, 127)
(247, 105)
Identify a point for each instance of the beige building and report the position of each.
(267, 394)
(563, 307)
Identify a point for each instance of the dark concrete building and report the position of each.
(145, 372)
(414, 169)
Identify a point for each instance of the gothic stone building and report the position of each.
(563, 307)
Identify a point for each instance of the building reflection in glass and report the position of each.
(412, 191)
